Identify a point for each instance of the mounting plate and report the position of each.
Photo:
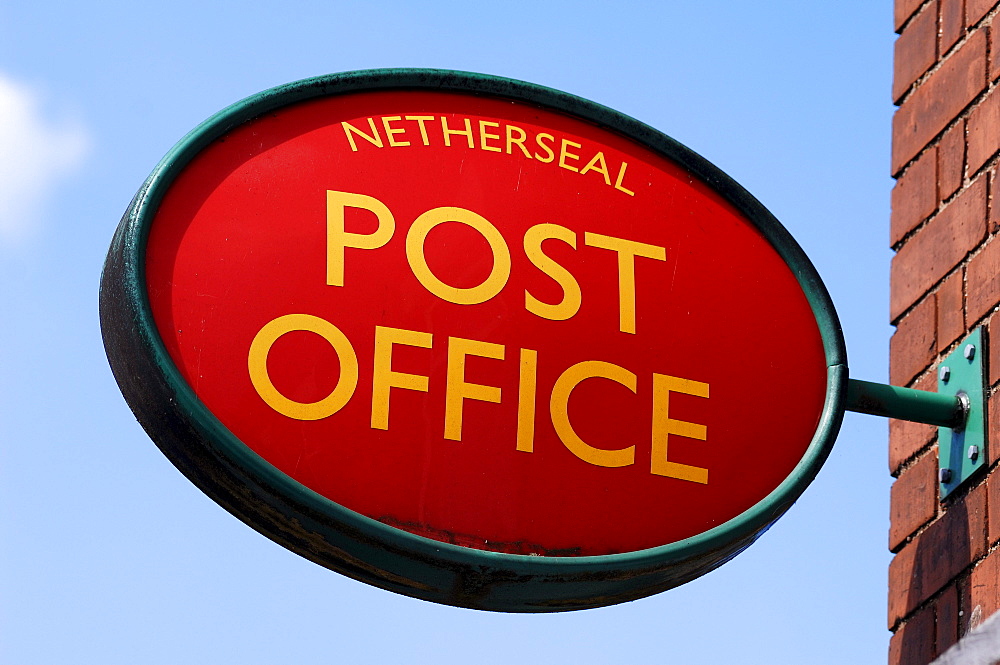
(962, 452)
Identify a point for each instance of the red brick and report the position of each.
(972, 512)
(983, 588)
(926, 382)
(992, 440)
(951, 24)
(903, 583)
(913, 346)
(994, 65)
(938, 100)
(984, 131)
(993, 215)
(905, 440)
(975, 503)
(938, 554)
(914, 51)
(983, 282)
(913, 499)
(913, 643)
(975, 10)
(993, 346)
(939, 246)
(946, 611)
(903, 10)
(993, 504)
(951, 310)
(964, 602)
(914, 198)
(951, 161)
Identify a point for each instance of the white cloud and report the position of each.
(35, 152)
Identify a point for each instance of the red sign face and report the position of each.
(485, 322)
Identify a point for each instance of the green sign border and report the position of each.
(324, 532)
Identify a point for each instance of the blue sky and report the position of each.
(111, 556)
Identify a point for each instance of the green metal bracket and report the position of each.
(962, 451)
(958, 408)
(919, 406)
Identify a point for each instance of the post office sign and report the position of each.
(472, 340)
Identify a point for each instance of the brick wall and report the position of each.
(945, 576)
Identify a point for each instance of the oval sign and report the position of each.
(472, 340)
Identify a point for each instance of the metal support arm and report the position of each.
(919, 406)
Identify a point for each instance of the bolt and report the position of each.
(944, 475)
(944, 373)
(970, 351)
(973, 453)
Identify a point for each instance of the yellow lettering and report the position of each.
(474, 295)
(570, 303)
(549, 154)
(519, 141)
(483, 135)
(384, 378)
(621, 177)
(337, 238)
(421, 119)
(664, 426)
(527, 380)
(389, 131)
(374, 138)
(627, 251)
(457, 389)
(467, 132)
(598, 164)
(257, 365)
(564, 153)
(559, 409)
